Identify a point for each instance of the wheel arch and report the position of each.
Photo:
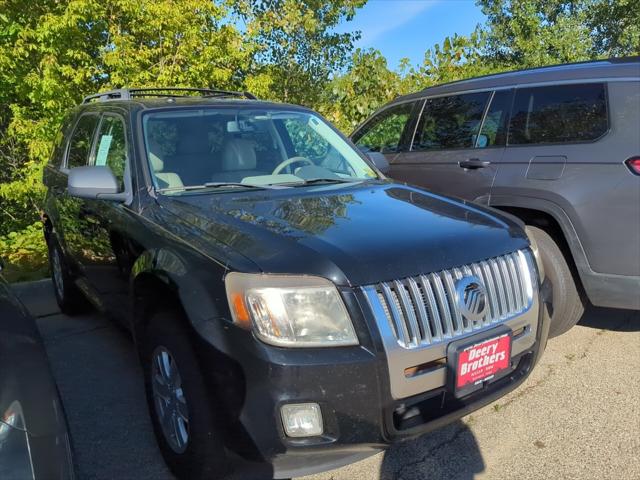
(161, 279)
(552, 219)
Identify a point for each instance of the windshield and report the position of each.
(231, 147)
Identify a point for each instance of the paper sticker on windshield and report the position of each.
(103, 150)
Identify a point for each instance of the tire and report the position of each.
(567, 302)
(69, 297)
(167, 355)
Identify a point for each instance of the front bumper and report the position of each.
(352, 387)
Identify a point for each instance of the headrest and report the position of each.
(238, 154)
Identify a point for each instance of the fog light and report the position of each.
(302, 420)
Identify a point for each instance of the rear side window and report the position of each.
(383, 133)
(111, 150)
(80, 142)
(57, 154)
(558, 114)
(451, 122)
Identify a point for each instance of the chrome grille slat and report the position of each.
(443, 304)
(497, 279)
(516, 281)
(424, 310)
(418, 302)
(508, 286)
(434, 313)
(456, 317)
(400, 326)
(407, 307)
(482, 268)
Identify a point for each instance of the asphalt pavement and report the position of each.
(577, 416)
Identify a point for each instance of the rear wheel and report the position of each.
(567, 302)
(184, 420)
(68, 296)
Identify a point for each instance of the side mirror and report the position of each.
(94, 183)
(380, 161)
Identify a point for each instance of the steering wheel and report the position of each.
(282, 165)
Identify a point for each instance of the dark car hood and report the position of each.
(353, 235)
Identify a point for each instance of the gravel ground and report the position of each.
(577, 416)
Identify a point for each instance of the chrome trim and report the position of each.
(418, 316)
(484, 117)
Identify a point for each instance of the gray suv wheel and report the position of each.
(567, 302)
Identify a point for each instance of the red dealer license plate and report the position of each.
(481, 362)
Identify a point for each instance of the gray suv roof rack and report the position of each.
(163, 92)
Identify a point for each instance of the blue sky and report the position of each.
(406, 28)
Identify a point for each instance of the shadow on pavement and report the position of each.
(610, 319)
(451, 452)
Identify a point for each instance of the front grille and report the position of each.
(423, 310)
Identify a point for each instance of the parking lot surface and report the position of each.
(577, 416)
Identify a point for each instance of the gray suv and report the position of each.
(558, 147)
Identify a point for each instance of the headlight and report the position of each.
(290, 311)
(536, 253)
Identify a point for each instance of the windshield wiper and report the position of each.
(321, 180)
(207, 185)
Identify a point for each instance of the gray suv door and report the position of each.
(458, 144)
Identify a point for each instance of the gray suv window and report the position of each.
(451, 122)
(384, 132)
(80, 143)
(559, 114)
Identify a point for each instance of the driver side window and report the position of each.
(383, 133)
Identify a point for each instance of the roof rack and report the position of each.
(163, 92)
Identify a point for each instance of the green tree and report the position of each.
(528, 33)
(296, 48)
(53, 53)
(616, 27)
(367, 84)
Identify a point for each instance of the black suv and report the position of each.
(294, 310)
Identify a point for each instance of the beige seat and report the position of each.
(238, 160)
(164, 179)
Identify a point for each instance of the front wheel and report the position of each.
(567, 302)
(184, 420)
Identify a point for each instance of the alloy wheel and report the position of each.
(169, 400)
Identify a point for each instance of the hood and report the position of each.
(353, 235)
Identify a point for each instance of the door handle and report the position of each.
(473, 164)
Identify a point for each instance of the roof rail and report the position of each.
(628, 59)
(163, 92)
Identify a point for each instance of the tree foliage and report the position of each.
(527, 33)
(295, 47)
